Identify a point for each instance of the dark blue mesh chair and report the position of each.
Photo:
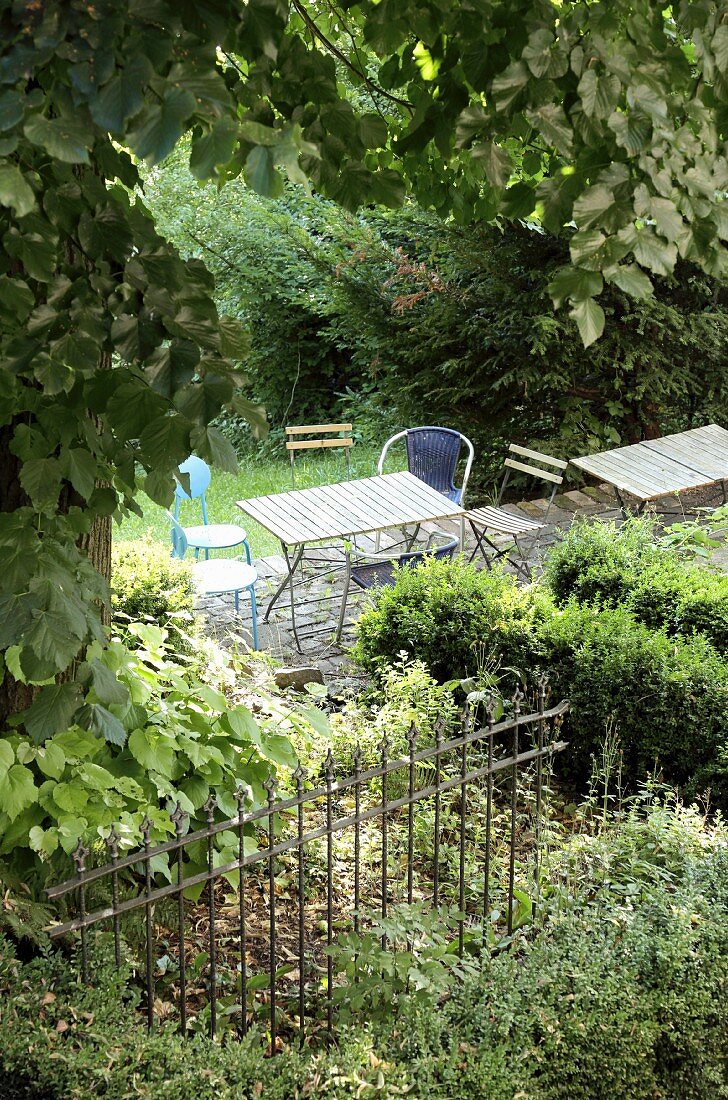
(432, 456)
(370, 573)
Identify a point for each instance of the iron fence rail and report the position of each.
(472, 759)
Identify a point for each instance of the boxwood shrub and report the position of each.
(601, 564)
(147, 585)
(667, 697)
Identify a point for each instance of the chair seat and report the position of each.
(215, 536)
(220, 575)
(505, 523)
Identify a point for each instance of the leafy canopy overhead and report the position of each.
(609, 117)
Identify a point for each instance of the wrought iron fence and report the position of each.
(469, 791)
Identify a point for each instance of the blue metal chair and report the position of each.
(219, 576)
(208, 536)
(432, 456)
(368, 574)
(380, 569)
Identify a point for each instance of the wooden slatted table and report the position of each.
(659, 467)
(301, 518)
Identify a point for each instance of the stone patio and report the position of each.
(318, 600)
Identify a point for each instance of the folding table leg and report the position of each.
(287, 580)
(344, 598)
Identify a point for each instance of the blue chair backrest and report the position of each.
(432, 456)
(200, 478)
(179, 538)
(414, 557)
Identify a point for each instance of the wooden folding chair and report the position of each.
(499, 522)
(342, 438)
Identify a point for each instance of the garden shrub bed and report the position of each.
(624, 993)
(666, 697)
(602, 564)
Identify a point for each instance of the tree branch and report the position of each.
(332, 48)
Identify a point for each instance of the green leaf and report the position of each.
(254, 414)
(589, 316)
(551, 122)
(154, 749)
(574, 283)
(133, 407)
(123, 96)
(632, 131)
(163, 125)
(17, 790)
(213, 148)
(54, 377)
(16, 299)
(51, 759)
(387, 188)
(508, 84)
(234, 338)
(719, 44)
(668, 219)
(108, 689)
(537, 52)
(12, 106)
(202, 401)
(495, 162)
(210, 443)
(41, 479)
(173, 366)
(471, 121)
(79, 467)
(651, 251)
(373, 131)
(66, 139)
(599, 94)
(43, 841)
(51, 711)
(166, 441)
(71, 797)
(598, 208)
(7, 757)
(15, 191)
(260, 172)
(102, 723)
(631, 279)
(241, 724)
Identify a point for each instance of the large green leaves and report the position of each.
(163, 125)
(15, 190)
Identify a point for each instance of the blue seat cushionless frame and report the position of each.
(432, 456)
(218, 576)
(207, 536)
(370, 574)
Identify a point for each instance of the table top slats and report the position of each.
(657, 467)
(348, 508)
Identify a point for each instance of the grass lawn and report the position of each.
(256, 477)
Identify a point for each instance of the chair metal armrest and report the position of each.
(385, 448)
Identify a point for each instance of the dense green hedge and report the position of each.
(624, 994)
(667, 697)
(598, 563)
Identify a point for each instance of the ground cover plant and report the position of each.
(623, 994)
